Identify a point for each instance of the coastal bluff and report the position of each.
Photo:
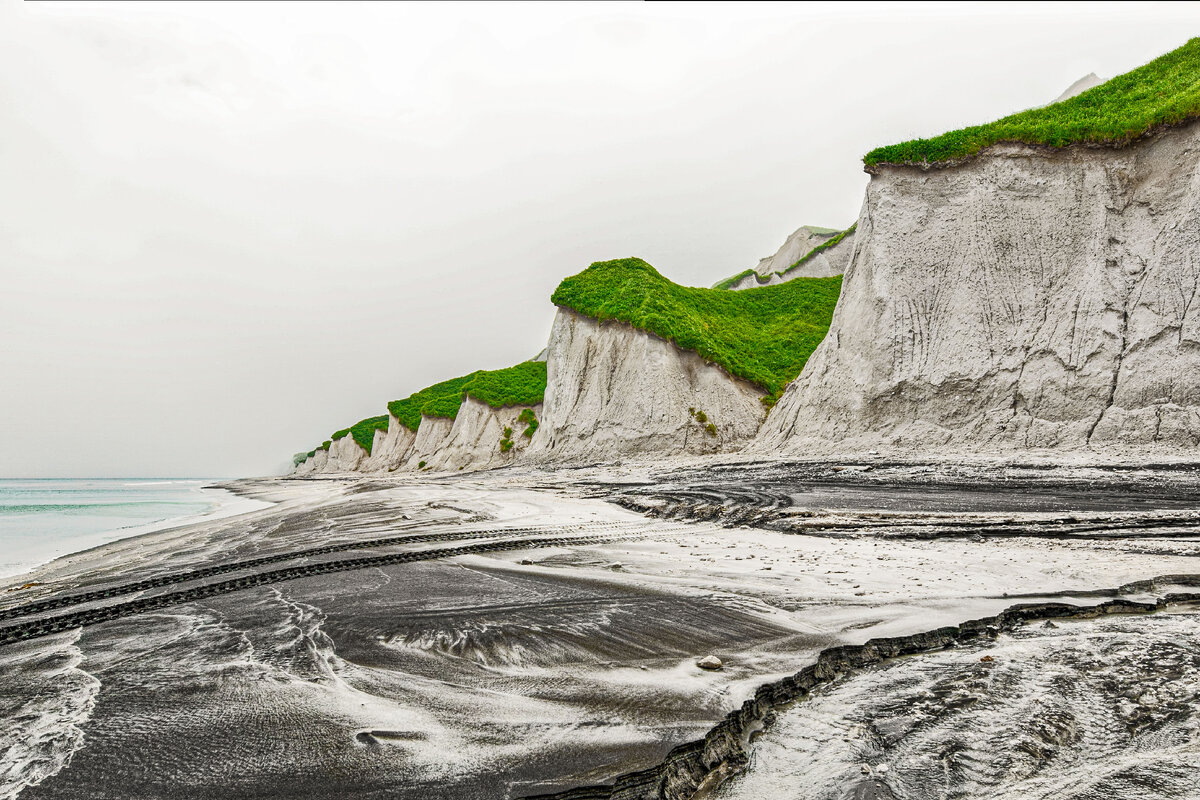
(1029, 298)
(1027, 285)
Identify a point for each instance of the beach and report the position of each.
(516, 632)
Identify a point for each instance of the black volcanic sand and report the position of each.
(935, 500)
(346, 687)
(480, 676)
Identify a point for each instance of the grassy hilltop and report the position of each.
(764, 335)
(1164, 92)
(522, 385)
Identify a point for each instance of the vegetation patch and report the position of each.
(763, 335)
(506, 441)
(522, 385)
(440, 400)
(729, 283)
(342, 434)
(530, 422)
(1164, 92)
(823, 246)
(705, 423)
(364, 431)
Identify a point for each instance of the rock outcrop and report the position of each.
(1028, 298)
(1089, 81)
(616, 391)
(432, 433)
(475, 440)
(779, 267)
(799, 244)
(391, 448)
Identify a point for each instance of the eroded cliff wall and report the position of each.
(474, 440)
(390, 448)
(1029, 298)
(778, 268)
(613, 391)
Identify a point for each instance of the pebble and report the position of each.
(710, 662)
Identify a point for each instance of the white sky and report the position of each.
(228, 229)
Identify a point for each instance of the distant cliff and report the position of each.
(810, 252)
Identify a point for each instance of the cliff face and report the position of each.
(390, 448)
(431, 435)
(1028, 298)
(800, 243)
(777, 269)
(614, 391)
(474, 440)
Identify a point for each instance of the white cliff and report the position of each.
(826, 263)
(474, 440)
(1028, 298)
(799, 244)
(344, 456)
(432, 433)
(616, 391)
(314, 465)
(390, 448)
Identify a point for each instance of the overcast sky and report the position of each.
(228, 229)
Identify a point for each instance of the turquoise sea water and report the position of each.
(43, 519)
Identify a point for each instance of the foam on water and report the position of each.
(45, 702)
(1086, 710)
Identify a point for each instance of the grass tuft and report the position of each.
(1164, 92)
(530, 421)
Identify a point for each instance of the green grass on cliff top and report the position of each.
(764, 335)
(522, 385)
(1164, 92)
(442, 395)
(363, 431)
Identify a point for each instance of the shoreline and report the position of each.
(224, 504)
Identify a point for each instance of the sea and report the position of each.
(43, 519)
